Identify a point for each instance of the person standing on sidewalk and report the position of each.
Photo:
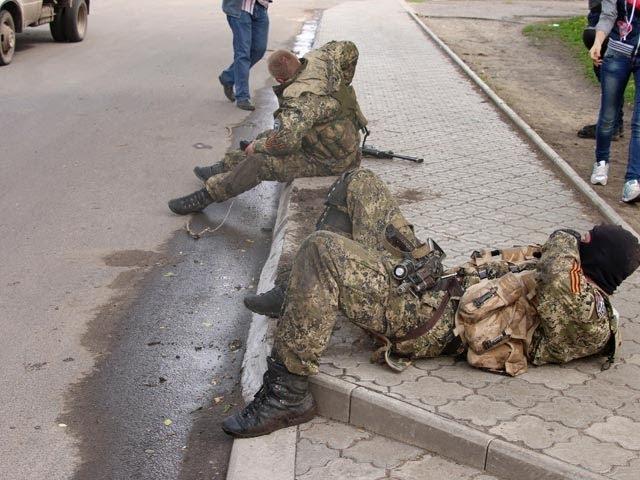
(588, 37)
(249, 22)
(316, 129)
(620, 20)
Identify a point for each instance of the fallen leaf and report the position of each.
(218, 399)
(169, 274)
(226, 408)
(207, 324)
(62, 425)
(167, 422)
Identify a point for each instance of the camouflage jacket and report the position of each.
(576, 317)
(309, 118)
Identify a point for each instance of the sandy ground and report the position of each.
(541, 81)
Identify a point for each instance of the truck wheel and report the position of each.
(57, 26)
(7, 37)
(75, 21)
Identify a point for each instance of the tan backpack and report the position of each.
(496, 319)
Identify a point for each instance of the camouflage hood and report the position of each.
(320, 75)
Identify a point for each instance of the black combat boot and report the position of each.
(205, 173)
(284, 400)
(267, 303)
(195, 202)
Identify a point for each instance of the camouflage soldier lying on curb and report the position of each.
(316, 129)
(360, 277)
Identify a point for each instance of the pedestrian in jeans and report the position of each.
(620, 20)
(249, 23)
(588, 37)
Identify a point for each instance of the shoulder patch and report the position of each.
(574, 276)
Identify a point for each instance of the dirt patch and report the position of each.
(306, 206)
(414, 195)
(134, 258)
(545, 85)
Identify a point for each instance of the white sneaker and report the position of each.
(631, 191)
(600, 173)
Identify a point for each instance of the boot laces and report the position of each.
(194, 200)
(258, 400)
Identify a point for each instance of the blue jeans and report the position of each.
(250, 34)
(614, 75)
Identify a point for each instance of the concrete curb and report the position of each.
(346, 402)
(603, 207)
(254, 363)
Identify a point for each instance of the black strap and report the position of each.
(451, 289)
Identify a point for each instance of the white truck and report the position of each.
(67, 21)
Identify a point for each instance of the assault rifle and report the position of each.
(371, 151)
(367, 151)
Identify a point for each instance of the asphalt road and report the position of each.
(113, 321)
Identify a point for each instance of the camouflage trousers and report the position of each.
(370, 207)
(243, 172)
(333, 274)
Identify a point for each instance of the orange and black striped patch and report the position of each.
(574, 276)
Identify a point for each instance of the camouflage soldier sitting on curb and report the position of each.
(316, 129)
(360, 278)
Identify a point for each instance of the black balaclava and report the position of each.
(611, 256)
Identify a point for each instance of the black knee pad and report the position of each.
(335, 216)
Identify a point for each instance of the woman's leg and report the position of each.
(633, 167)
(614, 76)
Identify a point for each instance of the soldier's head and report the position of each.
(608, 255)
(283, 65)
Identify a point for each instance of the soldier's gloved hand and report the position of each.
(570, 231)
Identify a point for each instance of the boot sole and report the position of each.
(288, 422)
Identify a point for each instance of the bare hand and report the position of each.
(594, 53)
(251, 148)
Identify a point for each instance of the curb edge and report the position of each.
(406, 423)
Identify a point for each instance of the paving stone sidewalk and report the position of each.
(482, 185)
(332, 450)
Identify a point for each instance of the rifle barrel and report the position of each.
(407, 157)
